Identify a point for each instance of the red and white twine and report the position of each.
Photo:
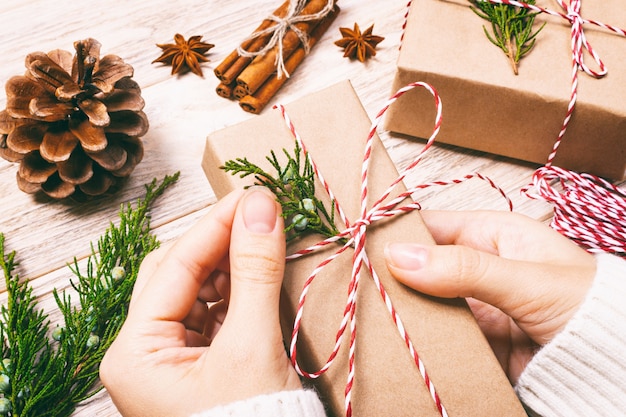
(355, 235)
(587, 209)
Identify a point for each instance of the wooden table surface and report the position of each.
(182, 110)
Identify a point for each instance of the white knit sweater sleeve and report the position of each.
(582, 371)
(299, 403)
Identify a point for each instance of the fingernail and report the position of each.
(409, 256)
(259, 211)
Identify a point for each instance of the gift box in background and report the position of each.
(488, 108)
(457, 357)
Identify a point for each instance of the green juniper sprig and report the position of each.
(511, 26)
(47, 371)
(294, 187)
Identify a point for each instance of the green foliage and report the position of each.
(50, 370)
(511, 27)
(294, 187)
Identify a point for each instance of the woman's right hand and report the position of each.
(523, 280)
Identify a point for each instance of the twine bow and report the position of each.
(588, 209)
(355, 234)
(280, 29)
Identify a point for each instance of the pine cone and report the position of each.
(73, 123)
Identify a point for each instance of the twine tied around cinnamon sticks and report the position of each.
(279, 30)
(261, 64)
(355, 236)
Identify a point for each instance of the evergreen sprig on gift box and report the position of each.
(294, 187)
(47, 371)
(511, 27)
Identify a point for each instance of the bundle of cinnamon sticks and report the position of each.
(255, 80)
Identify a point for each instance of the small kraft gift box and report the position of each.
(489, 108)
(460, 363)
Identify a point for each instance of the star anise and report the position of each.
(184, 55)
(358, 45)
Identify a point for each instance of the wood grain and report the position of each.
(183, 110)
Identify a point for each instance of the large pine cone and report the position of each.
(73, 123)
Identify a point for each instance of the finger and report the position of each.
(216, 288)
(497, 328)
(446, 271)
(507, 234)
(217, 314)
(204, 321)
(250, 335)
(195, 339)
(518, 288)
(148, 267)
(173, 288)
(257, 259)
(197, 317)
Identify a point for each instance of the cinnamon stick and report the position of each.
(228, 62)
(230, 75)
(225, 90)
(233, 59)
(262, 67)
(239, 92)
(255, 103)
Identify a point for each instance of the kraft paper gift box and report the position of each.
(469, 380)
(488, 108)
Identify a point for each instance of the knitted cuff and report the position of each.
(300, 403)
(582, 371)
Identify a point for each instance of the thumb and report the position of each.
(530, 293)
(257, 260)
(447, 271)
(247, 356)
